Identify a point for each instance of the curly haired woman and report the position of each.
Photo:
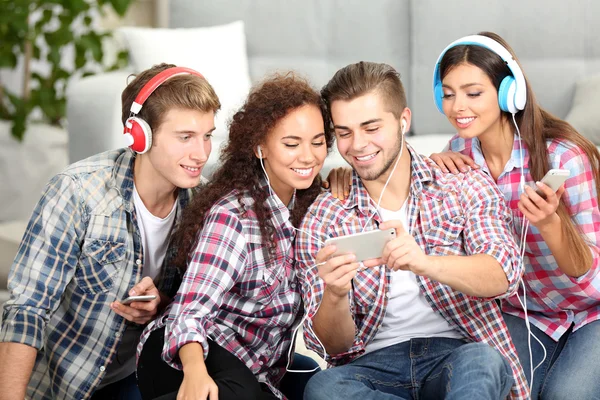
(228, 331)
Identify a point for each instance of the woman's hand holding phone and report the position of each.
(539, 206)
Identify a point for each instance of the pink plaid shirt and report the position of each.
(233, 295)
(449, 215)
(554, 300)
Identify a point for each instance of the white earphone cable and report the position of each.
(389, 177)
(522, 247)
(294, 334)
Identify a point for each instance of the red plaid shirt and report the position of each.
(449, 215)
(554, 300)
(231, 294)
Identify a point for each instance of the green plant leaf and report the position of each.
(120, 6)
(18, 128)
(8, 60)
(93, 43)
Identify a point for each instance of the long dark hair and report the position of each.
(536, 126)
(240, 169)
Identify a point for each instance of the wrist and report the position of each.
(334, 298)
(551, 225)
(194, 367)
(431, 267)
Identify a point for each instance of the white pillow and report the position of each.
(584, 114)
(217, 52)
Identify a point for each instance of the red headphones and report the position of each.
(138, 133)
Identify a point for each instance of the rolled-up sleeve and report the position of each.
(488, 228)
(581, 199)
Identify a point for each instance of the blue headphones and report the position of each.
(512, 94)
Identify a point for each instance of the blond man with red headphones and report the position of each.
(98, 235)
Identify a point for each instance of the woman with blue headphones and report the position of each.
(554, 319)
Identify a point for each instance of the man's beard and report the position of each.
(372, 175)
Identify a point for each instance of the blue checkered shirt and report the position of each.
(81, 251)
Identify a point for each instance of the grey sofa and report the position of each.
(558, 44)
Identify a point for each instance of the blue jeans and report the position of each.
(424, 368)
(293, 383)
(570, 370)
(125, 389)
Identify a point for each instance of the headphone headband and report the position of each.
(519, 94)
(155, 82)
(138, 133)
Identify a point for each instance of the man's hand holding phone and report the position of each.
(403, 252)
(140, 312)
(337, 272)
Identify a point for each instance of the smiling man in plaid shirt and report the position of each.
(99, 234)
(422, 321)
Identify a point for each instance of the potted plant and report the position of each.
(43, 45)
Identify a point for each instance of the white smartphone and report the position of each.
(365, 245)
(131, 299)
(554, 179)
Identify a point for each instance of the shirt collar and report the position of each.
(122, 180)
(280, 213)
(516, 160)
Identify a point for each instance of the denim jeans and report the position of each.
(570, 370)
(293, 383)
(423, 368)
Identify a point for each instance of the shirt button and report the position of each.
(138, 261)
(102, 368)
(260, 363)
(293, 285)
(118, 334)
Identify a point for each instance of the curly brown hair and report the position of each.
(240, 169)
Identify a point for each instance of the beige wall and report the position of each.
(148, 13)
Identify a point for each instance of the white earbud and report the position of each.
(259, 151)
(403, 126)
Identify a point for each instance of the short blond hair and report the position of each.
(187, 92)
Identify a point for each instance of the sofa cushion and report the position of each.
(584, 114)
(217, 52)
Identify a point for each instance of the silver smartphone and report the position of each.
(131, 299)
(365, 245)
(554, 179)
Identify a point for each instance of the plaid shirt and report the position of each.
(449, 215)
(554, 300)
(81, 251)
(233, 294)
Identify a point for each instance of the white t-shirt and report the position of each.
(408, 314)
(155, 233)
(155, 241)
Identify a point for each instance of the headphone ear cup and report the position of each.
(142, 135)
(438, 95)
(506, 94)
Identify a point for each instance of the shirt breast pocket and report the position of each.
(446, 238)
(99, 262)
(262, 286)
